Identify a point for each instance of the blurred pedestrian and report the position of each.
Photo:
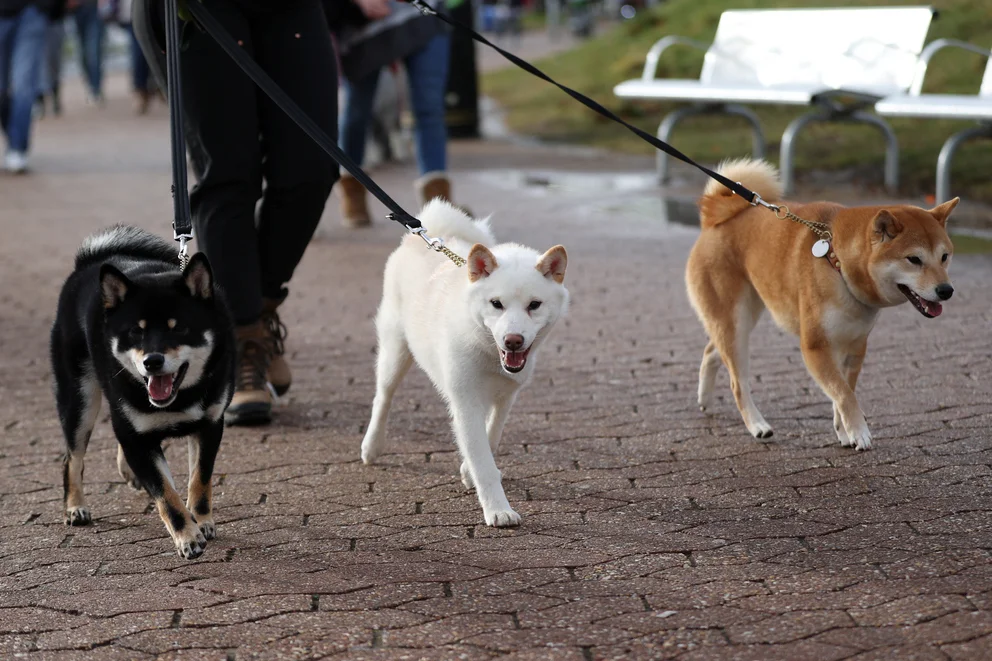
(88, 17)
(51, 67)
(23, 33)
(119, 11)
(395, 31)
(244, 149)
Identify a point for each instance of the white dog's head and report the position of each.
(517, 298)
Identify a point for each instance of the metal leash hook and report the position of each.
(183, 240)
(437, 245)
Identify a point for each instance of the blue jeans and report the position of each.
(140, 71)
(90, 29)
(51, 69)
(427, 73)
(22, 48)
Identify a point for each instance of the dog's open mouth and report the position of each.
(927, 308)
(513, 361)
(163, 388)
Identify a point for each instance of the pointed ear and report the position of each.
(481, 263)
(885, 226)
(114, 286)
(943, 211)
(552, 264)
(198, 277)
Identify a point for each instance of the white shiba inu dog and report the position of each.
(474, 331)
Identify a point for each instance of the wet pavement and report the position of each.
(650, 530)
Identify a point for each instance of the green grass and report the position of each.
(971, 245)
(538, 109)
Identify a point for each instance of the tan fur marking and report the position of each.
(171, 323)
(142, 324)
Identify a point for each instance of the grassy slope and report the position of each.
(536, 108)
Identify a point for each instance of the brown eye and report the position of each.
(533, 306)
(496, 304)
(913, 259)
(944, 258)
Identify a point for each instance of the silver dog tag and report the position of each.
(821, 248)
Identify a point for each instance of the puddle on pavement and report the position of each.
(634, 196)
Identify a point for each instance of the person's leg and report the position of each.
(353, 123)
(89, 29)
(25, 67)
(139, 74)
(7, 28)
(294, 48)
(296, 51)
(427, 70)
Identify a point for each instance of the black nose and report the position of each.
(513, 342)
(154, 362)
(944, 291)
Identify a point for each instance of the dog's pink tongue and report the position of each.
(160, 386)
(933, 309)
(515, 358)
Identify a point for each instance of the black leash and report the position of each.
(212, 27)
(182, 225)
(736, 187)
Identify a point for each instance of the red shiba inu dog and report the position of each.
(747, 259)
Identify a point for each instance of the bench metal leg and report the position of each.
(671, 119)
(788, 149)
(891, 146)
(947, 155)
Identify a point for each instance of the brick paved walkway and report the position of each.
(651, 531)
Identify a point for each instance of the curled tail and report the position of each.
(123, 240)
(443, 219)
(719, 204)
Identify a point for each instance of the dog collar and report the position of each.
(832, 257)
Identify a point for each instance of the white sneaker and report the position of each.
(16, 162)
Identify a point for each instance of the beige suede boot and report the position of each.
(433, 185)
(279, 374)
(252, 401)
(354, 207)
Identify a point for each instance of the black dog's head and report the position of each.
(161, 327)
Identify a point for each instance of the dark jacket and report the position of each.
(10, 8)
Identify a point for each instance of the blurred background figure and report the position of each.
(23, 36)
(391, 31)
(51, 67)
(88, 16)
(142, 84)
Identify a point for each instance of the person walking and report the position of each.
(91, 31)
(119, 12)
(51, 67)
(23, 34)
(395, 31)
(244, 149)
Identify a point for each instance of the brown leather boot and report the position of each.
(252, 401)
(279, 374)
(433, 185)
(354, 209)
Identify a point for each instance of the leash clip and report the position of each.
(183, 240)
(424, 8)
(435, 244)
(757, 201)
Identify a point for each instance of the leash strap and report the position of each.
(750, 196)
(182, 224)
(212, 27)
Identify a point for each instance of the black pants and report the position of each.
(237, 138)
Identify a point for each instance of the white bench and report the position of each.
(945, 106)
(839, 60)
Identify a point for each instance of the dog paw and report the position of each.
(78, 516)
(845, 440)
(191, 547)
(705, 400)
(502, 518)
(859, 438)
(467, 477)
(208, 528)
(371, 449)
(760, 429)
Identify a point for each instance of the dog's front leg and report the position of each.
(850, 361)
(823, 367)
(468, 419)
(152, 471)
(202, 452)
(494, 431)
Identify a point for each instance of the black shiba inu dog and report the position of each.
(159, 343)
